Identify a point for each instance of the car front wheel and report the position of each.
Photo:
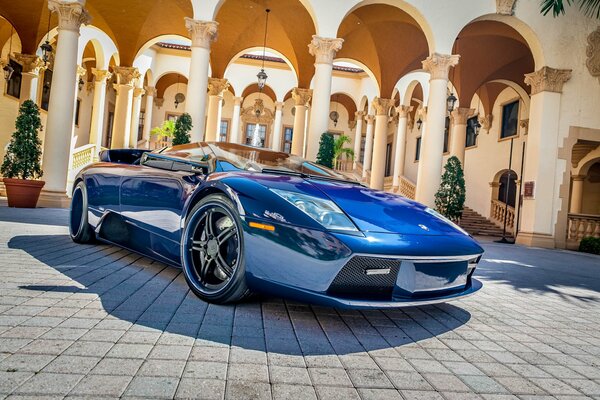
(212, 251)
(79, 228)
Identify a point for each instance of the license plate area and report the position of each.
(426, 278)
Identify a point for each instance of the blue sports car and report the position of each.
(239, 219)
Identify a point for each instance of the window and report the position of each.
(47, 86)
(507, 190)
(109, 129)
(224, 131)
(140, 133)
(363, 143)
(510, 120)
(13, 87)
(418, 150)
(172, 117)
(388, 160)
(77, 110)
(262, 132)
(471, 132)
(446, 134)
(288, 135)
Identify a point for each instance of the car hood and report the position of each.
(382, 212)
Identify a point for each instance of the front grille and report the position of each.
(359, 278)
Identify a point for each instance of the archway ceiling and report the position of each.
(386, 40)
(345, 101)
(5, 31)
(489, 50)
(254, 89)
(241, 26)
(488, 93)
(167, 81)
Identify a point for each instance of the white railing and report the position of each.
(344, 165)
(83, 156)
(498, 210)
(580, 226)
(407, 188)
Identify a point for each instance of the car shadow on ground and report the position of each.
(150, 294)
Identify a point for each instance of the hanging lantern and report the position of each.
(80, 84)
(8, 71)
(419, 123)
(334, 116)
(262, 79)
(179, 98)
(476, 127)
(451, 102)
(262, 75)
(46, 51)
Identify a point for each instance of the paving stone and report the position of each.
(409, 380)
(483, 384)
(117, 366)
(289, 375)
(101, 385)
(205, 370)
(237, 389)
(147, 386)
(50, 383)
(369, 378)
(248, 372)
(66, 364)
(337, 393)
(25, 362)
(202, 389)
(172, 368)
(125, 350)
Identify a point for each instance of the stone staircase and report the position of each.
(478, 225)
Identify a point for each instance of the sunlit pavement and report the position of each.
(93, 321)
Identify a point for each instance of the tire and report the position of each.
(79, 228)
(212, 251)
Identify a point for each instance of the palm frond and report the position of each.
(591, 8)
(556, 6)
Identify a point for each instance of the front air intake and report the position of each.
(366, 277)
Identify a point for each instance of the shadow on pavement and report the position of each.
(135, 289)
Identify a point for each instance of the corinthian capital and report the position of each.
(150, 91)
(138, 92)
(438, 65)
(81, 71)
(461, 115)
(32, 64)
(217, 86)
(403, 111)
(127, 75)
(301, 96)
(382, 106)
(547, 80)
(71, 15)
(370, 119)
(203, 32)
(101, 75)
(324, 49)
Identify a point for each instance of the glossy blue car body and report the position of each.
(401, 254)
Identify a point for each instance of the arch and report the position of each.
(268, 50)
(366, 69)
(346, 101)
(162, 38)
(8, 31)
(505, 187)
(253, 88)
(415, 80)
(168, 80)
(517, 88)
(364, 104)
(149, 77)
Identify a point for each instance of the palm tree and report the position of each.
(339, 149)
(591, 8)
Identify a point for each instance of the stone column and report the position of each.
(276, 144)
(301, 100)
(459, 132)
(59, 125)
(32, 66)
(203, 33)
(97, 124)
(432, 138)
(368, 145)
(127, 77)
(382, 108)
(324, 50)
(539, 212)
(150, 93)
(400, 154)
(138, 92)
(577, 194)
(359, 115)
(235, 120)
(216, 88)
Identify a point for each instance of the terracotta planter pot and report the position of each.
(23, 193)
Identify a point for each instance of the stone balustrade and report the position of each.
(497, 212)
(580, 226)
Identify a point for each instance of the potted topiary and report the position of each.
(21, 167)
(326, 150)
(182, 129)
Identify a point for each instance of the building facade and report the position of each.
(525, 123)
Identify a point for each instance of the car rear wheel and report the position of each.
(79, 228)
(212, 251)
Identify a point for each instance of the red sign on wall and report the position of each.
(529, 190)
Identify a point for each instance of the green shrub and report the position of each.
(182, 129)
(326, 150)
(450, 198)
(590, 245)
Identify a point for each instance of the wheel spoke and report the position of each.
(226, 268)
(208, 225)
(226, 235)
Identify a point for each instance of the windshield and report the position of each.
(235, 156)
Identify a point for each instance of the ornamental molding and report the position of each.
(150, 91)
(265, 116)
(404, 111)
(127, 75)
(351, 124)
(159, 101)
(438, 65)
(71, 15)
(593, 53)
(301, 97)
(524, 125)
(461, 115)
(505, 7)
(138, 92)
(579, 178)
(203, 33)
(101, 75)
(486, 121)
(279, 105)
(31, 64)
(359, 115)
(81, 71)
(382, 106)
(547, 79)
(237, 101)
(324, 49)
(217, 86)
(370, 119)
(422, 113)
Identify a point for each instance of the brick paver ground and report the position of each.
(94, 321)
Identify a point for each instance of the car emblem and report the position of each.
(424, 227)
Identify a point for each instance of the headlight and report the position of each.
(325, 212)
(440, 216)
